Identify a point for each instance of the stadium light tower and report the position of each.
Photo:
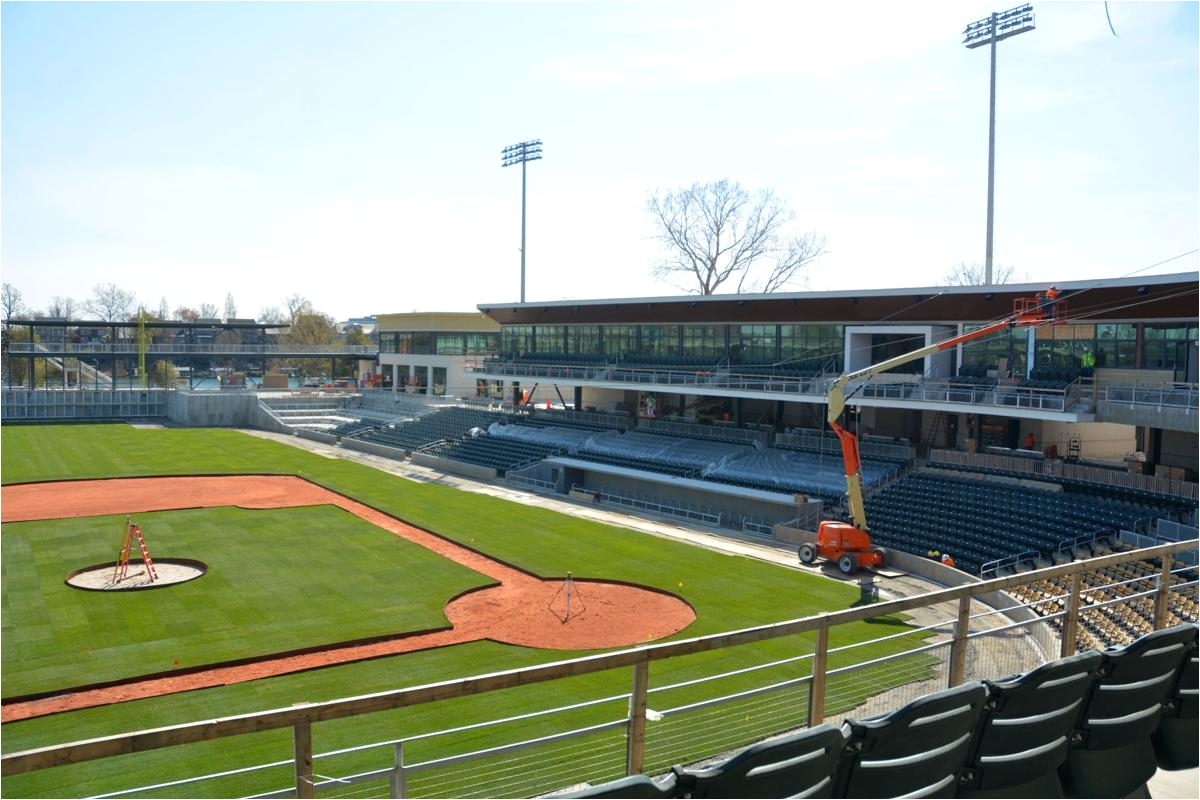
(993, 29)
(522, 153)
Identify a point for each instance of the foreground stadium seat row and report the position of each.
(1096, 724)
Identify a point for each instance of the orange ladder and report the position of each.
(121, 569)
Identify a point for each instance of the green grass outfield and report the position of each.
(266, 593)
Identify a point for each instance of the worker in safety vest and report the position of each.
(947, 560)
(1047, 302)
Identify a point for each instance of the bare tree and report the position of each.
(271, 315)
(715, 233)
(186, 314)
(164, 310)
(297, 305)
(975, 274)
(64, 307)
(230, 307)
(110, 303)
(208, 311)
(10, 301)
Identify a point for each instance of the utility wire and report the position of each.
(1160, 263)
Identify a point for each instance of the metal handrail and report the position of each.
(128, 347)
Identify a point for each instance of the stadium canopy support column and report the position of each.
(577, 399)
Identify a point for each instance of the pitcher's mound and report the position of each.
(170, 571)
(603, 614)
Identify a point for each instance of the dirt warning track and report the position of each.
(516, 611)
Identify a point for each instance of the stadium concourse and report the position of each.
(1165, 784)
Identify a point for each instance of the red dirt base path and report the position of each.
(521, 610)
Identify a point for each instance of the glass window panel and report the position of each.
(757, 344)
(583, 339)
(620, 340)
(516, 340)
(1012, 345)
(1125, 354)
(703, 341)
(549, 338)
(1158, 355)
(482, 343)
(659, 340)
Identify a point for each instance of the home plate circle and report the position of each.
(169, 571)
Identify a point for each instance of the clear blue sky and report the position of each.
(350, 153)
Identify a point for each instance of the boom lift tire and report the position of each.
(808, 553)
(848, 564)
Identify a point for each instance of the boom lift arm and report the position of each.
(1045, 307)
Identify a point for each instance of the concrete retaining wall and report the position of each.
(455, 467)
(374, 449)
(213, 410)
(689, 495)
(316, 436)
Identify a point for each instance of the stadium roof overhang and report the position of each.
(1158, 297)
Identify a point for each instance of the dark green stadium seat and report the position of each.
(1113, 755)
(1026, 731)
(1175, 742)
(802, 764)
(918, 750)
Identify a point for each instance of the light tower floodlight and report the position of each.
(988, 31)
(522, 153)
(1006, 24)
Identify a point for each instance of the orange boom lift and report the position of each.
(849, 543)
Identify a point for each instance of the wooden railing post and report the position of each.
(958, 647)
(816, 689)
(1071, 622)
(1163, 595)
(635, 748)
(302, 741)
